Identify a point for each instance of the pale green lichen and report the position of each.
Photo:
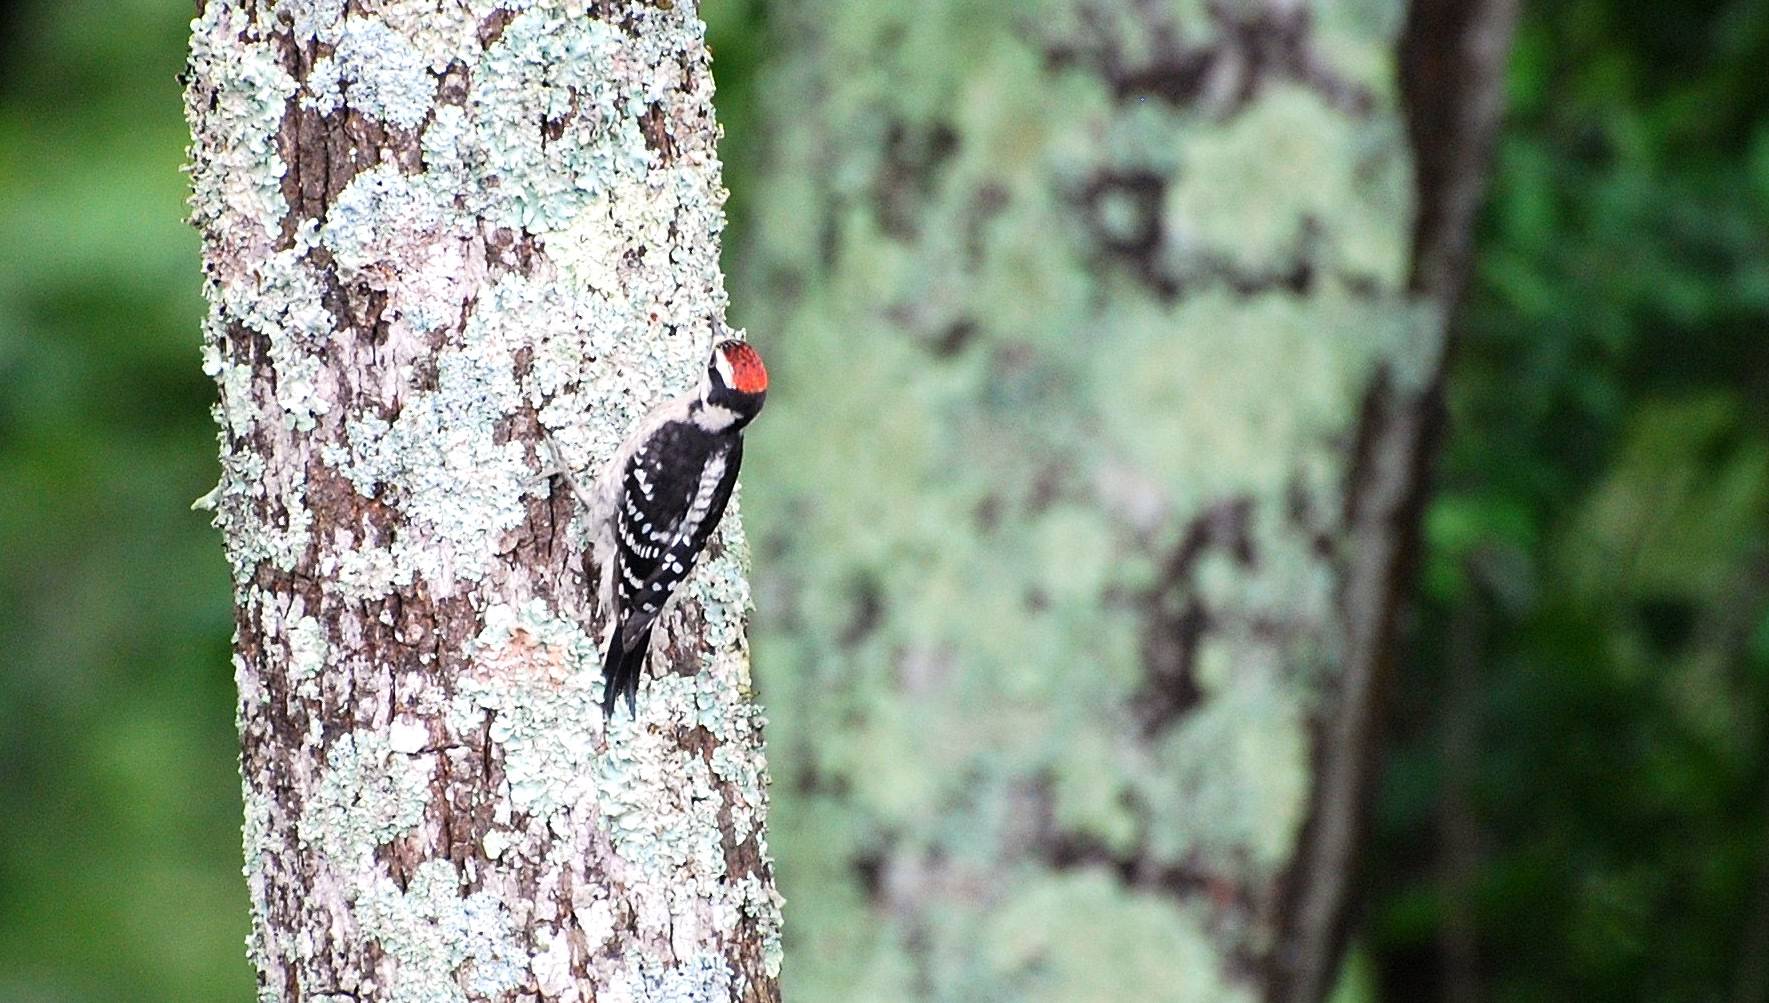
(1162, 397)
(1231, 782)
(386, 75)
(237, 200)
(593, 200)
(282, 300)
(279, 541)
(1154, 950)
(254, 834)
(307, 654)
(539, 72)
(239, 187)
(611, 306)
(439, 460)
(448, 943)
(968, 597)
(659, 836)
(366, 572)
(696, 980)
(762, 902)
(320, 89)
(661, 809)
(234, 412)
(451, 947)
(551, 963)
(541, 684)
(310, 20)
(366, 796)
(1247, 188)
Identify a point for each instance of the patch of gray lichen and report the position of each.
(1053, 608)
(509, 219)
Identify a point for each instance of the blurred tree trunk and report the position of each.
(430, 230)
(1117, 335)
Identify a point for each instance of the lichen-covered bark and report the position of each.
(433, 228)
(1088, 483)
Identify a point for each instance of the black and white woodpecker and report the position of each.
(659, 500)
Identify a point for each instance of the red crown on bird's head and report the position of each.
(748, 375)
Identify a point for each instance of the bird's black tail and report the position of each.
(621, 669)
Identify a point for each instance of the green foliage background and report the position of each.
(1590, 613)
(1596, 549)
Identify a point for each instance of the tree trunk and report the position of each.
(430, 231)
(1117, 330)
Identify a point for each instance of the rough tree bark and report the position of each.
(430, 229)
(1139, 314)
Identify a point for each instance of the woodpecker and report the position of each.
(659, 500)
